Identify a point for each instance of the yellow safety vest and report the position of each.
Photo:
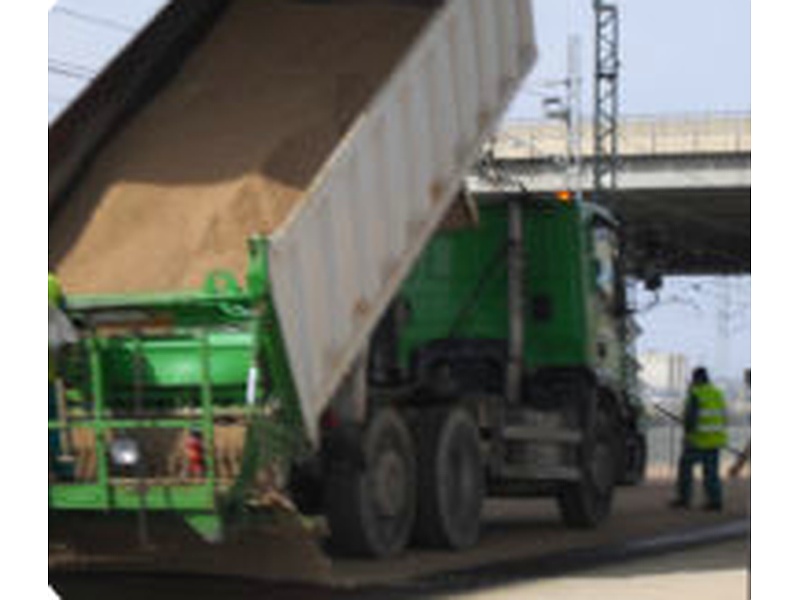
(54, 299)
(712, 431)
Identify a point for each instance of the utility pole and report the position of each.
(568, 108)
(575, 122)
(725, 316)
(606, 97)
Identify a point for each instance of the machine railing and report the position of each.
(118, 480)
(183, 403)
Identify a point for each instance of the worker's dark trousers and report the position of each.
(711, 479)
(53, 437)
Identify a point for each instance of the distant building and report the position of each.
(664, 373)
(738, 395)
(664, 376)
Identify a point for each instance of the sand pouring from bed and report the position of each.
(230, 147)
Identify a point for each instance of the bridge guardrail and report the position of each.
(722, 133)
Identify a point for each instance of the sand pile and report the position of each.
(230, 146)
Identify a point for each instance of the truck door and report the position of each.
(609, 298)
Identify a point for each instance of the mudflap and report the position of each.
(277, 546)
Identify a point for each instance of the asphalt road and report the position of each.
(718, 572)
(523, 542)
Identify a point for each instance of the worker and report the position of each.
(741, 462)
(744, 458)
(61, 333)
(705, 435)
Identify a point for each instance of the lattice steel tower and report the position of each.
(606, 96)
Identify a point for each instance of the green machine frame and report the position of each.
(196, 362)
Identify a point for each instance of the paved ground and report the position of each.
(530, 529)
(523, 540)
(715, 573)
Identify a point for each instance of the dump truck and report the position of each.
(234, 205)
(504, 368)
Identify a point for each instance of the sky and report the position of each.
(706, 319)
(83, 35)
(678, 56)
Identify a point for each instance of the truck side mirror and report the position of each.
(654, 282)
(621, 310)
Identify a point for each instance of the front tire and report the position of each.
(452, 484)
(636, 460)
(371, 502)
(585, 505)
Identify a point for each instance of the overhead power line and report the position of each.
(66, 73)
(70, 70)
(93, 19)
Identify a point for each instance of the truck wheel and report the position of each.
(371, 506)
(586, 504)
(451, 480)
(636, 460)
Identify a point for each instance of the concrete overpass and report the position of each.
(684, 185)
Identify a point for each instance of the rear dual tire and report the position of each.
(428, 487)
(371, 502)
(451, 480)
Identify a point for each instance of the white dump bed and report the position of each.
(341, 257)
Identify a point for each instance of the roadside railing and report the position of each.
(712, 133)
(665, 444)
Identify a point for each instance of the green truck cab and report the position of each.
(521, 321)
(575, 316)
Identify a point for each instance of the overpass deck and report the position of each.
(684, 185)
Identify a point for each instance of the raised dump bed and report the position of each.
(339, 129)
(230, 147)
(331, 135)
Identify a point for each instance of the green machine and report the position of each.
(177, 404)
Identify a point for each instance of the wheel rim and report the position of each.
(460, 487)
(371, 502)
(390, 484)
(389, 494)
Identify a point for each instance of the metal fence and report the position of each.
(665, 442)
